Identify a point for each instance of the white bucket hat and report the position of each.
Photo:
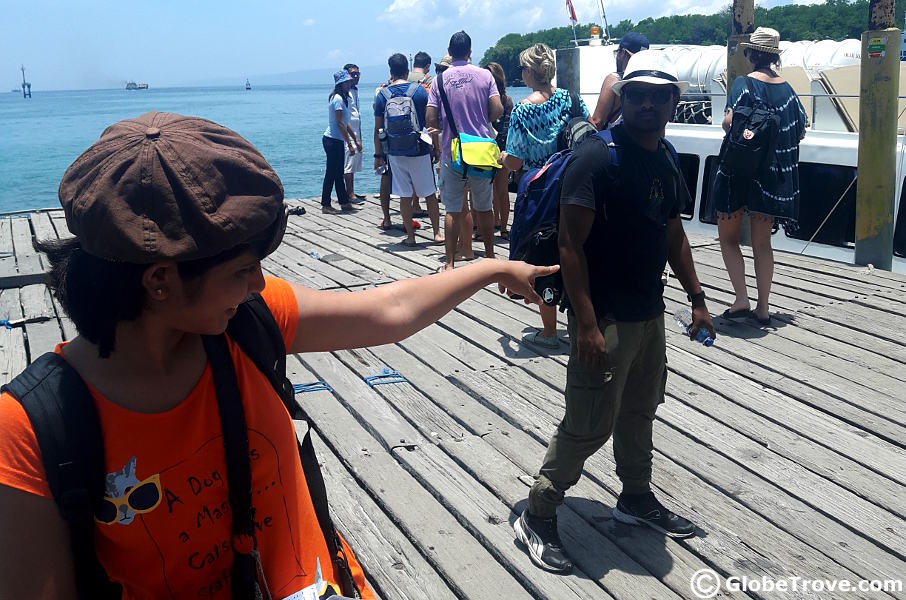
(651, 66)
(764, 39)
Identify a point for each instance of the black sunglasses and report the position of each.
(637, 95)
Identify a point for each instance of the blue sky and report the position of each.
(82, 45)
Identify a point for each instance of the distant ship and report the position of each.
(131, 85)
(248, 85)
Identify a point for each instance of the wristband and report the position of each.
(697, 299)
(380, 155)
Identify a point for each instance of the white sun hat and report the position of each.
(651, 66)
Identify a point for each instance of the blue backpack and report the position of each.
(536, 214)
(401, 122)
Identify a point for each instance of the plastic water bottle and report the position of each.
(314, 254)
(683, 318)
(385, 143)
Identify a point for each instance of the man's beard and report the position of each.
(644, 125)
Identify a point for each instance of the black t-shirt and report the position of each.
(626, 250)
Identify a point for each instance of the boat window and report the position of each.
(688, 165)
(706, 212)
(820, 187)
(899, 234)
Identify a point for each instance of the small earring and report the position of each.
(158, 291)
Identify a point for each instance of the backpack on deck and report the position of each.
(401, 122)
(536, 213)
(748, 149)
(67, 428)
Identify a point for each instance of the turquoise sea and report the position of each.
(41, 136)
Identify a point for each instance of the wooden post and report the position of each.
(879, 86)
(742, 24)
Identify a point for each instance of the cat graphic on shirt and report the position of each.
(117, 484)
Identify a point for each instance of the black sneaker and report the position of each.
(645, 509)
(543, 542)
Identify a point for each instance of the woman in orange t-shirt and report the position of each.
(172, 216)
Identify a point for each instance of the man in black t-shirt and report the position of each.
(619, 225)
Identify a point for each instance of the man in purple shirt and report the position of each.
(475, 103)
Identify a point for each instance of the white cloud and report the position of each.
(308, 22)
(424, 14)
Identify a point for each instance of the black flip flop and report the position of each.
(763, 322)
(733, 315)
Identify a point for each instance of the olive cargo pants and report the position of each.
(621, 399)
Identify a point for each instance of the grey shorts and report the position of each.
(453, 189)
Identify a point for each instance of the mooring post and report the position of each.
(879, 85)
(741, 25)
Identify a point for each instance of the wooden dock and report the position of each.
(785, 445)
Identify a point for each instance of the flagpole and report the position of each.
(572, 20)
(606, 35)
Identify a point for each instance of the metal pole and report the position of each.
(879, 85)
(742, 24)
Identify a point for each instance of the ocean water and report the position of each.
(41, 136)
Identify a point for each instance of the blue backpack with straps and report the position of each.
(536, 214)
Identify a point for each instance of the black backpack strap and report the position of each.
(448, 115)
(68, 430)
(575, 108)
(255, 330)
(244, 578)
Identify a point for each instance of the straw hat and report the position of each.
(763, 39)
(446, 61)
(651, 66)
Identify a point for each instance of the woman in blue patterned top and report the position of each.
(533, 136)
(770, 200)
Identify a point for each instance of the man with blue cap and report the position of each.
(608, 110)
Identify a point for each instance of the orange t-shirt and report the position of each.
(168, 526)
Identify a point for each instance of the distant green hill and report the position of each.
(834, 20)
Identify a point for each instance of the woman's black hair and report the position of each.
(761, 59)
(96, 293)
(337, 89)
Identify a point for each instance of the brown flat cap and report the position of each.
(164, 186)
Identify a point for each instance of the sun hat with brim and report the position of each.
(167, 187)
(650, 66)
(763, 39)
(341, 76)
(446, 61)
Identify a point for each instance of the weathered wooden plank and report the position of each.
(830, 268)
(837, 541)
(809, 392)
(59, 223)
(736, 541)
(869, 483)
(394, 567)
(874, 522)
(338, 260)
(777, 421)
(812, 367)
(66, 324)
(278, 265)
(27, 260)
(43, 336)
(8, 268)
(351, 249)
(456, 433)
(13, 358)
(303, 264)
(42, 226)
(461, 559)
